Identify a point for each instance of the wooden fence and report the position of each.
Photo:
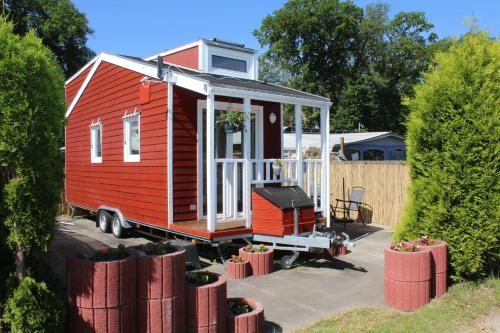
(385, 184)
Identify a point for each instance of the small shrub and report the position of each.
(404, 247)
(34, 308)
(237, 259)
(236, 307)
(258, 249)
(107, 254)
(201, 278)
(156, 249)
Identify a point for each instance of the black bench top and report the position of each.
(282, 197)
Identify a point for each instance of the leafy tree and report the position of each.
(453, 155)
(34, 308)
(60, 25)
(338, 50)
(31, 126)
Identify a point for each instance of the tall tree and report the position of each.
(31, 126)
(453, 144)
(60, 25)
(363, 61)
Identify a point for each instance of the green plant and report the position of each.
(278, 163)
(426, 241)
(233, 117)
(236, 307)
(237, 259)
(256, 249)
(453, 141)
(107, 254)
(201, 278)
(159, 248)
(34, 308)
(404, 247)
(31, 131)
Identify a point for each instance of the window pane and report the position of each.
(352, 154)
(373, 155)
(229, 63)
(398, 154)
(97, 142)
(134, 145)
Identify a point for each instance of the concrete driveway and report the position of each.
(314, 289)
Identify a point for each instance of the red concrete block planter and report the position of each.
(252, 322)
(206, 306)
(161, 276)
(161, 315)
(405, 295)
(261, 263)
(439, 268)
(407, 278)
(237, 270)
(112, 320)
(101, 285)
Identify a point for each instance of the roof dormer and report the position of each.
(215, 56)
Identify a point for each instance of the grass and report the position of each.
(456, 311)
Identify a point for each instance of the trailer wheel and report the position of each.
(104, 220)
(287, 261)
(116, 227)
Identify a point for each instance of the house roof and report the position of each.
(202, 82)
(234, 82)
(314, 139)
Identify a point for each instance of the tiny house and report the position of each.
(145, 148)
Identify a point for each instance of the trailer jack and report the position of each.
(288, 260)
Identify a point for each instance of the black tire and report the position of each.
(286, 262)
(104, 221)
(116, 227)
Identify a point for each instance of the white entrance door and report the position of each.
(229, 161)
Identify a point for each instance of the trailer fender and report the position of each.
(123, 222)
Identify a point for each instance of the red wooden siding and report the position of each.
(187, 58)
(73, 87)
(138, 189)
(185, 153)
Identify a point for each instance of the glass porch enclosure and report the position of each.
(232, 163)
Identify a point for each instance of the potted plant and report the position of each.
(161, 286)
(260, 258)
(232, 120)
(244, 315)
(439, 264)
(238, 267)
(277, 166)
(206, 295)
(101, 284)
(407, 276)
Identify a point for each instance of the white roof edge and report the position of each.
(81, 70)
(175, 49)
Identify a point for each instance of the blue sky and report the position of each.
(144, 27)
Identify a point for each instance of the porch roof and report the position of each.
(233, 83)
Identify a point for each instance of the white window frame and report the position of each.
(248, 58)
(127, 119)
(93, 129)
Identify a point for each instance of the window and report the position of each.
(373, 155)
(352, 154)
(132, 138)
(96, 142)
(229, 63)
(397, 154)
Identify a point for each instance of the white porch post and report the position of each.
(281, 132)
(247, 180)
(211, 166)
(298, 144)
(170, 147)
(325, 163)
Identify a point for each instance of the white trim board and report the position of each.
(87, 65)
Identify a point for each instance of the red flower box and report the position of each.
(251, 322)
(238, 270)
(407, 278)
(261, 263)
(101, 295)
(161, 285)
(206, 306)
(439, 266)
